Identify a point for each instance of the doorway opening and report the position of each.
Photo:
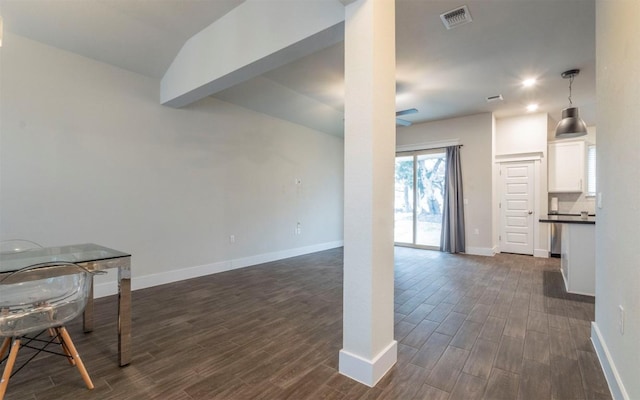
(419, 194)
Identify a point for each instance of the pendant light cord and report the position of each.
(570, 83)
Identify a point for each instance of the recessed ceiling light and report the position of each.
(529, 82)
(532, 107)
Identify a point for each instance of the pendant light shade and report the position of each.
(571, 125)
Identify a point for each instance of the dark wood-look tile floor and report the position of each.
(468, 327)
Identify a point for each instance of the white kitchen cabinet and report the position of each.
(578, 262)
(567, 167)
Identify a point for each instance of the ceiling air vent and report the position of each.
(456, 17)
(497, 97)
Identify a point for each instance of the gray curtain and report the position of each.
(452, 237)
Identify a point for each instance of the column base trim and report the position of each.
(368, 372)
(608, 367)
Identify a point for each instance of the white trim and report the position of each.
(368, 372)
(616, 387)
(564, 277)
(582, 293)
(146, 281)
(427, 145)
(535, 156)
(481, 251)
(541, 253)
(582, 139)
(537, 186)
(566, 286)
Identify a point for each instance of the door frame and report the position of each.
(539, 208)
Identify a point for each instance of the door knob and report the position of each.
(530, 212)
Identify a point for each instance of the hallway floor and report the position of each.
(468, 327)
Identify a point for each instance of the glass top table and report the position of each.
(94, 258)
(78, 253)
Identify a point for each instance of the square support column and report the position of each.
(369, 350)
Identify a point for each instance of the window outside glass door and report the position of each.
(419, 194)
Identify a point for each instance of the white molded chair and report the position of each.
(35, 303)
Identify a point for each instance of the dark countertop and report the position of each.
(569, 219)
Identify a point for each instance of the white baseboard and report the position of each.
(541, 253)
(368, 372)
(564, 280)
(616, 387)
(480, 251)
(145, 281)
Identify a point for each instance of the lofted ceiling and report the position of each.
(142, 36)
(443, 73)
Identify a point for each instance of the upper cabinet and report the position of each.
(567, 166)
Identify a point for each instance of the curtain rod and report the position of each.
(427, 149)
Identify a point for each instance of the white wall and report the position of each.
(521, 134)
(475, 134)
(526, 136)
(495, 171)
(89, 155)
(618, 177)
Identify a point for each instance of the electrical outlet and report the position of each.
(298, 229)
(621, 319)
(232, 238)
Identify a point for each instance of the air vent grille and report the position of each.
(456, 17)
(497, 97)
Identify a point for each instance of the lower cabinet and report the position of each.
(578, 260)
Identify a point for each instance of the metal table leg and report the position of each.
(124, 315)
(87, 316)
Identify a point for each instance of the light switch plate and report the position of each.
(599, 200)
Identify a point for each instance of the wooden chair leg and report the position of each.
(5, 346)
(53, 332)
(66, 339)
(4, 381)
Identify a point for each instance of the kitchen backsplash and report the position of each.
(573, 203)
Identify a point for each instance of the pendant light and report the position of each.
(571, 125)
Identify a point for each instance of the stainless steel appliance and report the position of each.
(556, 240)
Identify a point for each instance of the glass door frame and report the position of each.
(415, 154)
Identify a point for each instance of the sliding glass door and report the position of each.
(419, 192)
(404, 199)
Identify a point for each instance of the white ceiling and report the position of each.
(443, 73)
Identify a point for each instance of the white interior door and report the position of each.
(517, 207)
